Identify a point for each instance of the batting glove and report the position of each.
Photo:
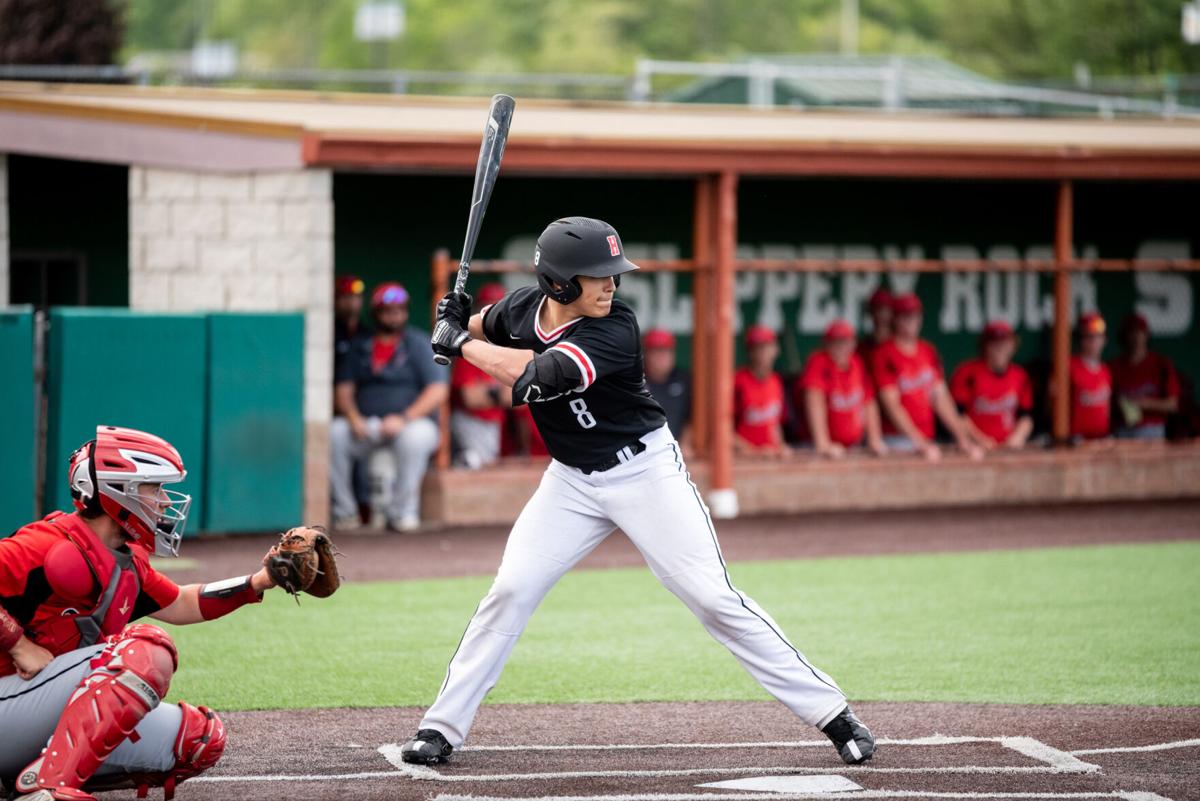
(448, 338)
(455, 307)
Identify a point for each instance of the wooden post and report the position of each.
(702, 246)
(1063, 247)
(441, 285)
(722, 496)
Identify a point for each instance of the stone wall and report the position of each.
(244, 242)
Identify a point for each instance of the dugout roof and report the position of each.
(243, 129)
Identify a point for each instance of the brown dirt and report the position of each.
(344, 742)
(448, 552)
(335, 742)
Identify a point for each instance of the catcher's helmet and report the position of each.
(576, 246)
(106, 472)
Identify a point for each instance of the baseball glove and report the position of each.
(304, 560)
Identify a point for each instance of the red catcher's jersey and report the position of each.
(992, 401)
(1091, 399)
(464, 374)
(916, 375)
(45, 581)
(757, 407)
(1152, 377)
(847, 393)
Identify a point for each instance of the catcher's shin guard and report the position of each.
(128, 679)
(198, 746)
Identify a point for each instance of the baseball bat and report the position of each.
(491, 151)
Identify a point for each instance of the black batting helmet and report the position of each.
(575, 246)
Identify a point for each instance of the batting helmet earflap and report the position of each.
(575, 246)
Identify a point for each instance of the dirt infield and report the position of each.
(476, 551)
(960, 749)
(665, 751)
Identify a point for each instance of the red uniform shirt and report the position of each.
(1152, 377)
(757, 407)
(1091, 398)
(465, 374)
(847, 393)
(45, 581)
(992, 401)
(916, 375)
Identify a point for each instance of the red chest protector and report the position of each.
(94, 589)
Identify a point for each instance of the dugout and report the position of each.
(251, 200)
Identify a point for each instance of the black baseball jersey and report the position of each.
(610, 407)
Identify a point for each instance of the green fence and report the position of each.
(227, 390)
(18, 486)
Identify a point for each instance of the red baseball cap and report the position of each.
(1091, 323)
(348, 285)
(880, 299)
(658, 338)
(839, 329)
(1134, 322)
(908, 303)
(759, 335)
(490, 293)
(997, 330)
(389, 293)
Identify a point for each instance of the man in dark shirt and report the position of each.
(388, 391)
(670, 386)
(347, 315)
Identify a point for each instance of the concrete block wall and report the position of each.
(3, 230)
(244, 242)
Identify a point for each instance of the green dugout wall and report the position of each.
(18, 486)
(225, 389)
(387, 227)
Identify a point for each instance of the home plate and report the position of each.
(789, 784)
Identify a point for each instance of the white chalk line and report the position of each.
(1125, 796)
(1139, 748)
(936, 739)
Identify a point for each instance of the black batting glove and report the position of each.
(456, 308)
(448, 338)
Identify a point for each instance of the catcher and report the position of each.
(81, 688)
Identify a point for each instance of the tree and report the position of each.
(60, 31)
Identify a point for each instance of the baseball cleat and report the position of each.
(853, 740)
(427, 748)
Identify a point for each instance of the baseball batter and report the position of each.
(572, 352)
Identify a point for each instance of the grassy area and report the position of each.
(1113, 624)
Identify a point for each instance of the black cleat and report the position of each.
(853, 740)
(429, 747)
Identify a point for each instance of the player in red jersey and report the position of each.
(80, 688)
(879, 307)
(912, 388)
(478, 403)
(838, 397)
(1145, 383)
(758, 397)
(1091, 382)
(995, 395)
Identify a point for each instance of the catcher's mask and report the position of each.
(106, 475)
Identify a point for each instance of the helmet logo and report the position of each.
(613, 247)
(537, 256)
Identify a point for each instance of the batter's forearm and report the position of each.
(506, 365)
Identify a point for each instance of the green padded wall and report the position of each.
(17, 460)
(140, 370)
(255, 460)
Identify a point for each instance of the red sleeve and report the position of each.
(1170, 378)
(739, 394)
(868, 386)
(160, 589)
(21, 554)
(813, 376)
(1024, 391)
(960, 384)
(934, 360)
(883, 368)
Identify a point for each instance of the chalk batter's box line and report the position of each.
(841, 796)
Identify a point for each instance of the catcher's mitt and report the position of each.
(304, 561)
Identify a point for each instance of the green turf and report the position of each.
(1112, 624)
